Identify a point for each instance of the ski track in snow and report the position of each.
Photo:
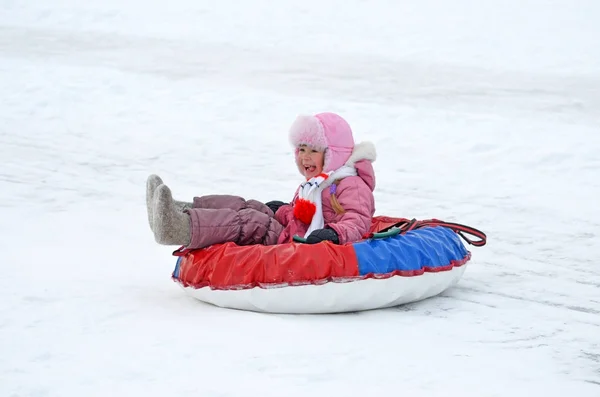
(96, 96)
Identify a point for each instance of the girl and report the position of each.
(335, 203)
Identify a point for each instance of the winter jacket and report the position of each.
(355, 195)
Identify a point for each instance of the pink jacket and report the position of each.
(355, 195)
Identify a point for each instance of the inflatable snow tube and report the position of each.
(383, 270)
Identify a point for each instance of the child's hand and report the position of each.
(321, 235)
(274, 205)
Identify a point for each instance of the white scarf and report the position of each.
(312, 189)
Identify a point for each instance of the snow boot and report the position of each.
(152, 183)
(171, 225)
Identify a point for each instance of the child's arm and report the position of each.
(359, 205)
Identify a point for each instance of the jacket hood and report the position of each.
(362, 158)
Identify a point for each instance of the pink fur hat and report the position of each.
(324, 131)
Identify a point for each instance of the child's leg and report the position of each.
(244, 227)
(201, 227)
(215, 201)
(236, 203)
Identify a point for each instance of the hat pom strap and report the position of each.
(304, 210)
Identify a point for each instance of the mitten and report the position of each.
(274, 205)
(321, 235)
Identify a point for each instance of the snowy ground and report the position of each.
(484, 112)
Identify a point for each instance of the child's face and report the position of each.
(310, 161)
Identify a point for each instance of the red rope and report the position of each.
(460, 229)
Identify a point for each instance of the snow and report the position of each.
(484, 113)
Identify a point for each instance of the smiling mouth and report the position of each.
(309, 168)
